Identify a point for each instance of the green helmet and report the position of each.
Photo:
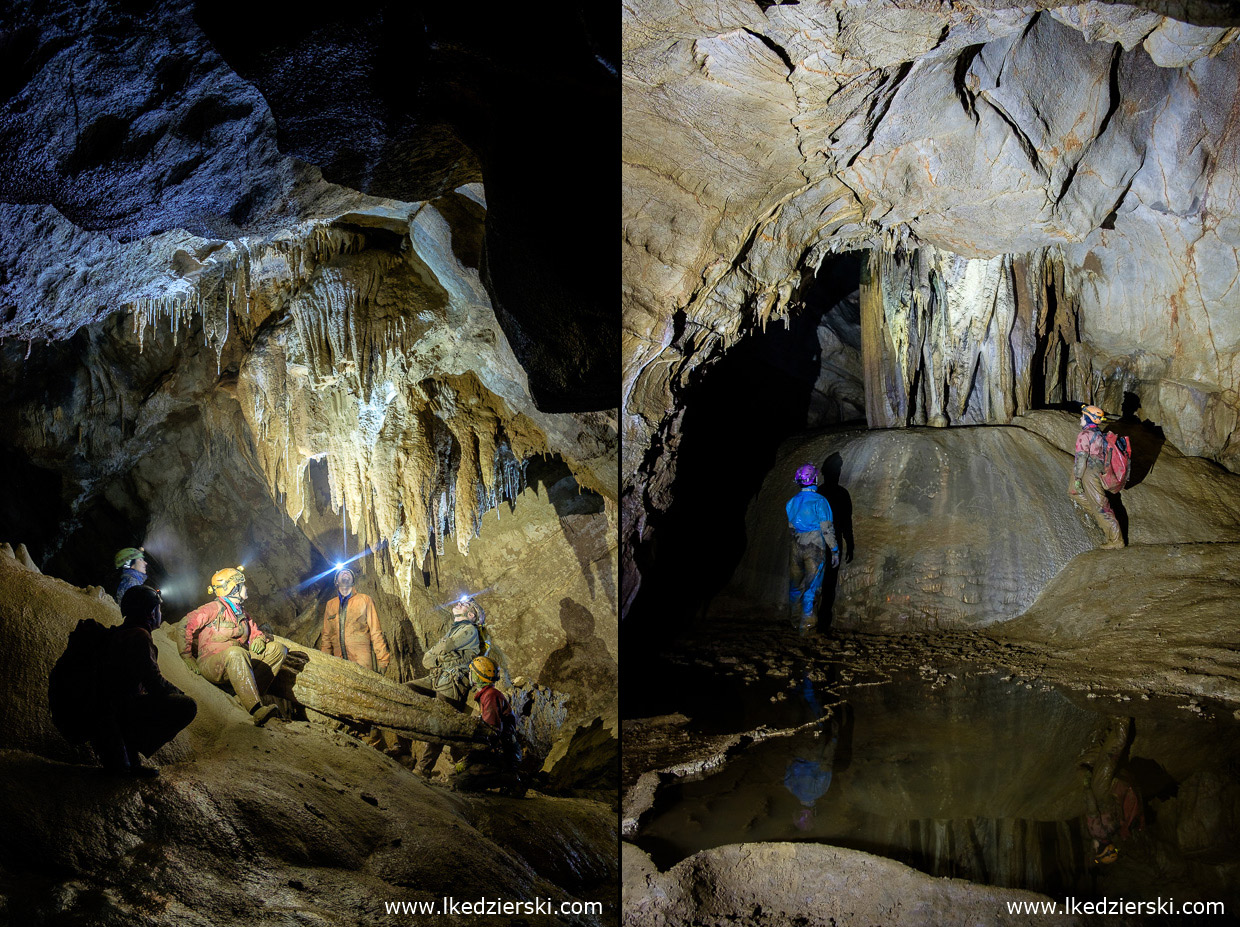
(127, 555)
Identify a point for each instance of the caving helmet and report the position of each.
(483, 671)
(342, 571)
(473, 610)
(1092, 415)
(807, 475)
(1107, 854)
(128, 555)
(226, 580)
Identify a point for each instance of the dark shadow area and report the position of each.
(550, 474)
(583, 662)
(1146, 438)
(737, 413)
(842, 517)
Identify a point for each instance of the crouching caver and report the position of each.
(448, 662)
(228, 645)
(136, 710)
(495, 765)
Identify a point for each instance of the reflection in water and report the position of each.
(808, 775)
(979, 778)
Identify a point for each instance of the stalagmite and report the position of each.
(344, 690)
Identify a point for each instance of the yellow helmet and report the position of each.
(226, 580)
(483, 671)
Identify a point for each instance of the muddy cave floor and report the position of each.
(958, 754)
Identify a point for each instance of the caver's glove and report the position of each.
(1076, 489)
(192, 664)
(835, 559)
(258, 646)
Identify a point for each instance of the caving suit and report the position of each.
(1091, 455)
(222, 637)
(361, 638)
(129, 578)
(358, 638)
(495, 765)
(807, 511)
(136, 710)
(448, 681)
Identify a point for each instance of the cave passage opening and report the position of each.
(802, 372)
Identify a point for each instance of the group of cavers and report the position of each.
(1101, 465)
(107, 688)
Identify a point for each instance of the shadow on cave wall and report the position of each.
(583, 663)
(550, 474)
(736, 416)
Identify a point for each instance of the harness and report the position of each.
(341, 614)
(217, 623)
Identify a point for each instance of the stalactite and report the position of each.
(949, 340)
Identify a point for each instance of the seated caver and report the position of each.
(448, 662)
(494, 766)
(222, 642)
(135, 710)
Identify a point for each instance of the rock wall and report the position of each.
(234, 361)
(1094, 138)
(964, 528)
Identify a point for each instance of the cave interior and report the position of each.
(907, 243)
(278, 290)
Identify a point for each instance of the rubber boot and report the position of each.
(242, 679)
(262, 713)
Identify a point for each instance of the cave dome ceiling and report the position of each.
(1095, 143)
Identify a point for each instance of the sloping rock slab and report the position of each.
(963, 527)
(1162, 618)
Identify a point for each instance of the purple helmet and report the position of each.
(807, 475)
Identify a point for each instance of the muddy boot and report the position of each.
(242, 679)
(262, 713)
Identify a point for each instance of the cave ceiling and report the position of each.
(1079, 160)
(284, 283)
(152, 122)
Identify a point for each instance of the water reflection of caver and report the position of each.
(1113, 804)
(808, 775)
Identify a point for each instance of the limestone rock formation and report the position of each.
(1048, 193)
(792, 883)
(963, 528)
(210, 348)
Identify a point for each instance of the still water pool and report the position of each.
(973, 774)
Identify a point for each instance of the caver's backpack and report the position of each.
(1117, 464)
(72, 687)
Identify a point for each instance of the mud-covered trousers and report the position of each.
(805, 572)
(1094, 498)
